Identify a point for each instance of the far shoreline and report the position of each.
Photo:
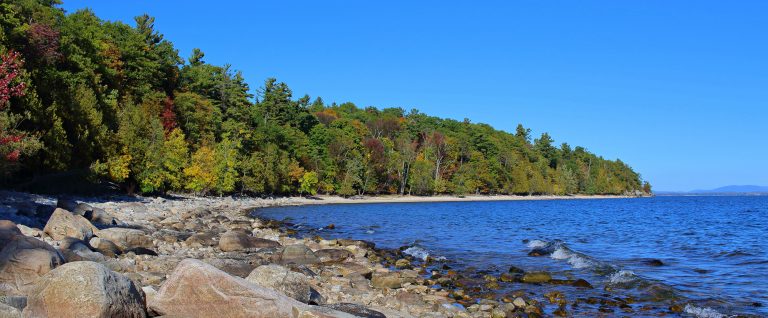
(331, 199)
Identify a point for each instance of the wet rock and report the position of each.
(196, 289)
(23, 261)
(581, 283)
(297, 254)
(519, 302)
(332, 255)
(356, 310)
(358, 243)
(64, 224)
(126, 239)
(390, 280)
(536, 277)
(403, 263)
(282, 279)
(105, 247)
(515, 270)
(654, 262)
(84, 289)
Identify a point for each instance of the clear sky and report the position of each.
(677, 89)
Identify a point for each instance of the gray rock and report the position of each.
(105, 247)
(333, 255)
(282, 279)
(85, 289)
(78, 250)
(298, 254)
(126, 239)
(23, 261)
(357, 310)
(64, 224)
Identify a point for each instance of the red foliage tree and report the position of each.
(9, 72)
(43, 43)
(9, 86)
(168, 116)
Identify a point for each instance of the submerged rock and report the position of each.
(536, 277)
(85, 289)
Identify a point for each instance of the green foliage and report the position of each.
(308, 183)
(117, 98)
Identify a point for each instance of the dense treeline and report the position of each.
(85, 93)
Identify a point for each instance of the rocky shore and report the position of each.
(202, 257)
(187, 256)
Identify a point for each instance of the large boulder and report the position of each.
(85, 289)
(279, 278)
(238, 240)
(298, 254)
(197, 289)
(64, 224)
(23, 261)
(126, 239)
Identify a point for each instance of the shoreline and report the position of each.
(332, 199)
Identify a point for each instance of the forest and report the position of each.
(117, 100)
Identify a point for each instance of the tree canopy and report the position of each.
(80, 92)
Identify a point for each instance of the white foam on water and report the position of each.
(417, 252)
(703, 312)
(576, 260)
(370, 231)
(537, 244)
(622, 276)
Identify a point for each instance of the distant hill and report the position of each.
(735, 189)
(721, 190)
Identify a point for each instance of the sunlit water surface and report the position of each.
(714, 248)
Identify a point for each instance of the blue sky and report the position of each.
(677, 89)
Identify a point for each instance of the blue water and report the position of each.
(714, 248)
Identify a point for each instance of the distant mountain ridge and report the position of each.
(725, 189)
(735, 189)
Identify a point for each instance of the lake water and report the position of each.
(714, 249)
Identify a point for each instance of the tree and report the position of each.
(200, 174)
(308, 183)
(13, 143)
